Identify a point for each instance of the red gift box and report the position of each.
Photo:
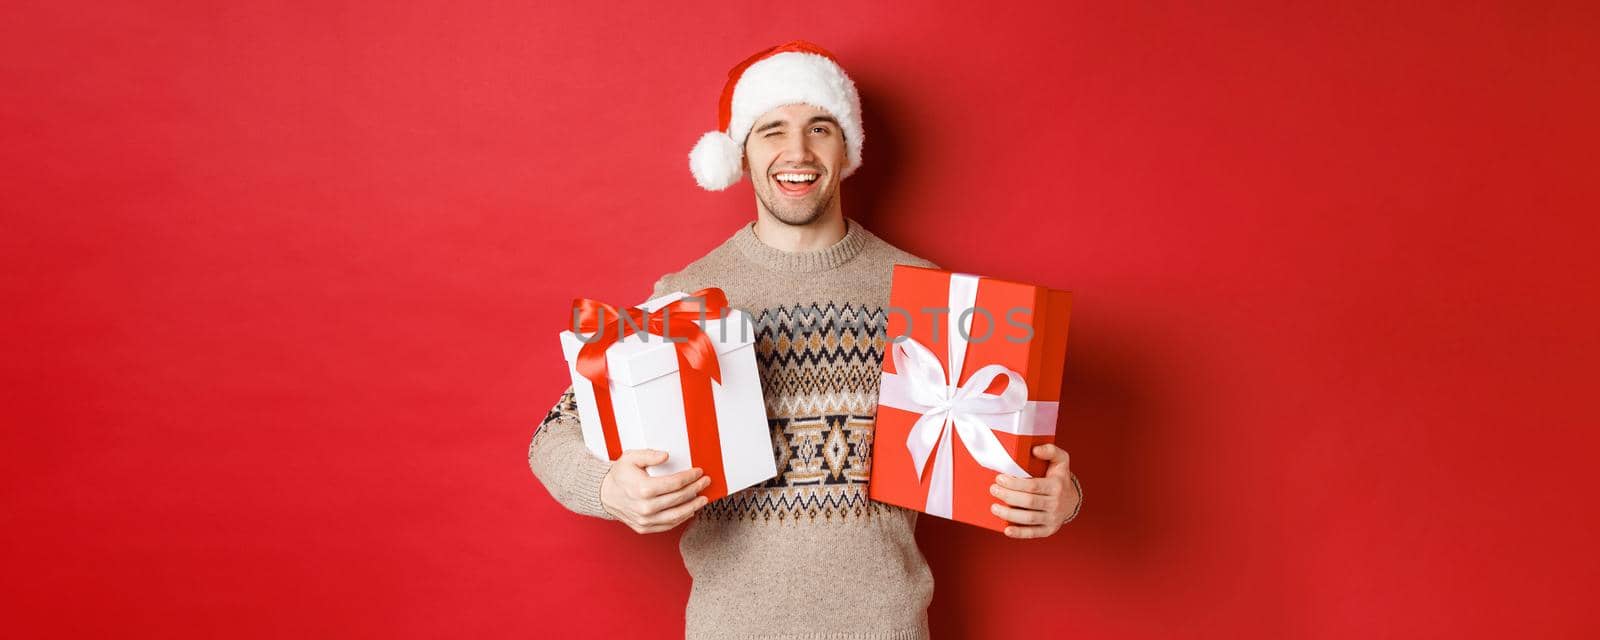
(938, 442)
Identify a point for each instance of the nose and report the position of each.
(798, 148)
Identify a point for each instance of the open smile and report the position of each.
(796, 184)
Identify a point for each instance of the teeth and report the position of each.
(796, 177)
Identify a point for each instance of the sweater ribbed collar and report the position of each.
(854, 240)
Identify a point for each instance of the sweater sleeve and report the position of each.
(563, 463)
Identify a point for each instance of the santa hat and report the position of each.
(797, 72)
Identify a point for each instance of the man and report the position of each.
(806, 553)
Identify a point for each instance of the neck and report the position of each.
(821, 233)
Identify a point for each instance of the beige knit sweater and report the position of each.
(806, 554)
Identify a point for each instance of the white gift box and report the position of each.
(647, 399)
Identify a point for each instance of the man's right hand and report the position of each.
(646, 504)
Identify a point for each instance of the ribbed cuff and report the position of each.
(908, 634)
(920, 632)
(588, 475)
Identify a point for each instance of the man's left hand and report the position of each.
(1037, 507)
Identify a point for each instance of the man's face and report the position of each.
(795, 154)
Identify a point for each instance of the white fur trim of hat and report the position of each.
(794, 73)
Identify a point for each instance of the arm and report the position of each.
(564, 465)
(621, 490)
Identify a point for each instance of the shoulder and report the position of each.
(700, 272)
(885, 251)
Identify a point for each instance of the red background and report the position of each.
(281, 287)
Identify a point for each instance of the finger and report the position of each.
(1040, 486)
(1022, 499)
(652, 487)
(670, 500)
(1056, 455)
(1026, 531)
(1018, 516)
(642, 458)
(671, 517)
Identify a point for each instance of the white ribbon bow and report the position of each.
(921, 384)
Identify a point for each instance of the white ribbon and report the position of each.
(922, 385)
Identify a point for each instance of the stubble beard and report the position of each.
(795, 214)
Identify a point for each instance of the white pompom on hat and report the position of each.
(797, 72)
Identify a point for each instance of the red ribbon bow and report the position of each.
(697, 367)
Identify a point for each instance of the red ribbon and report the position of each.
(697, 367)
